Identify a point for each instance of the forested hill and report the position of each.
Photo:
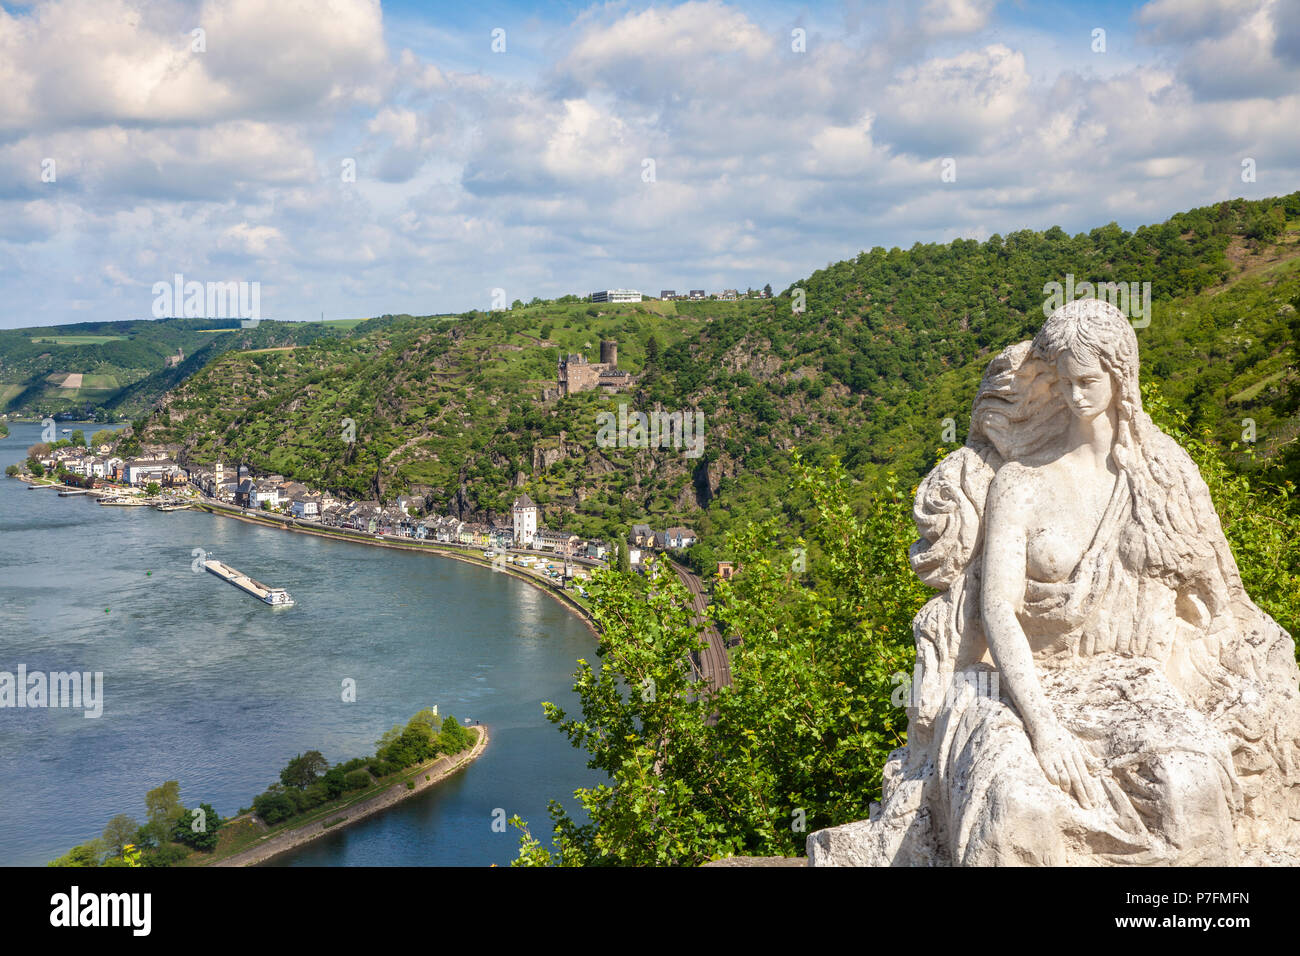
(103, 370)
(889, 347)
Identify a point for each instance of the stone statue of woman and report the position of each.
(1092, 683)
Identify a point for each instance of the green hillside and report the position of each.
(103, 370)
(880, 368)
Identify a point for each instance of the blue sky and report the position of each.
(528, 169)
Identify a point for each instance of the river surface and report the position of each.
(206, 685)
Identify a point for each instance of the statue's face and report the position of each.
(1085, 385)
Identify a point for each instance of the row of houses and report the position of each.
(108, 467)
(726, 295)
(275, 493)
(671, 539)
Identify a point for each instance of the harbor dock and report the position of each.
(276, 597)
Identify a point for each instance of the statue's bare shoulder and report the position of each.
(1013, 488)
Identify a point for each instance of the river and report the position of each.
(205, 685)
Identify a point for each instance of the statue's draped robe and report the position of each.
(1173, 714)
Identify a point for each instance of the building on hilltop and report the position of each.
(576, 374)
(616, 295)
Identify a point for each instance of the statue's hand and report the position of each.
(1065, 761)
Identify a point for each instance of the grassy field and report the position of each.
(342, 323)
(76, 339)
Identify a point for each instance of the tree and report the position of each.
(87, 854)
(273, 807)
(767, 290)
(198, 828)
(800, 737)
(36, 469)
(335, 782)
(152, 488)
(104, 436)
(454, 738)
(652, 351)
(428, 718)
(39, 450)
(12, 471)
(302, 771)
(163, 808)
(120, 831)
(78, 437)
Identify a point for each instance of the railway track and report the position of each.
(712, 663)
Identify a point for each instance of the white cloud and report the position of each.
(528, 175)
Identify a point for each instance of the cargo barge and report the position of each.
(276, 597)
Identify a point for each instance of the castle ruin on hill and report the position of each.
(576, 374)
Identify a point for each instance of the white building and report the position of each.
(616, 295)
(305, 508)
(524, 514)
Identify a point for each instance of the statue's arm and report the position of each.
(1002, 596)
(1061, 756)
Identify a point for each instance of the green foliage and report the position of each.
(163, 809)
(198, 828)
(118, 832)
(302, 770)
(274, 806)
(454, 738)
(167, 854)
(356, 780)
(87, 854)
(1260, 515)
(800, 736)
(415, 744)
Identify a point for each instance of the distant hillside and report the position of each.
(891, 344)
(101, 370)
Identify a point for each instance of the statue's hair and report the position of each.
(1017, 410)
(1170, 542)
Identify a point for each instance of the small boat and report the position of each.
(171, 506)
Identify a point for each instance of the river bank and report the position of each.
(330, 821)
(290, 524)
(428, 548)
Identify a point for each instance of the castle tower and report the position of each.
(524, 514)
(609, 352)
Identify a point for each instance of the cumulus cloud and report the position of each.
(99, 62)
(531, 175)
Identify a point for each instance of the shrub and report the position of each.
(335, 782)
(356, 780)
(274, 807)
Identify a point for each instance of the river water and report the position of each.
(205, 685)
